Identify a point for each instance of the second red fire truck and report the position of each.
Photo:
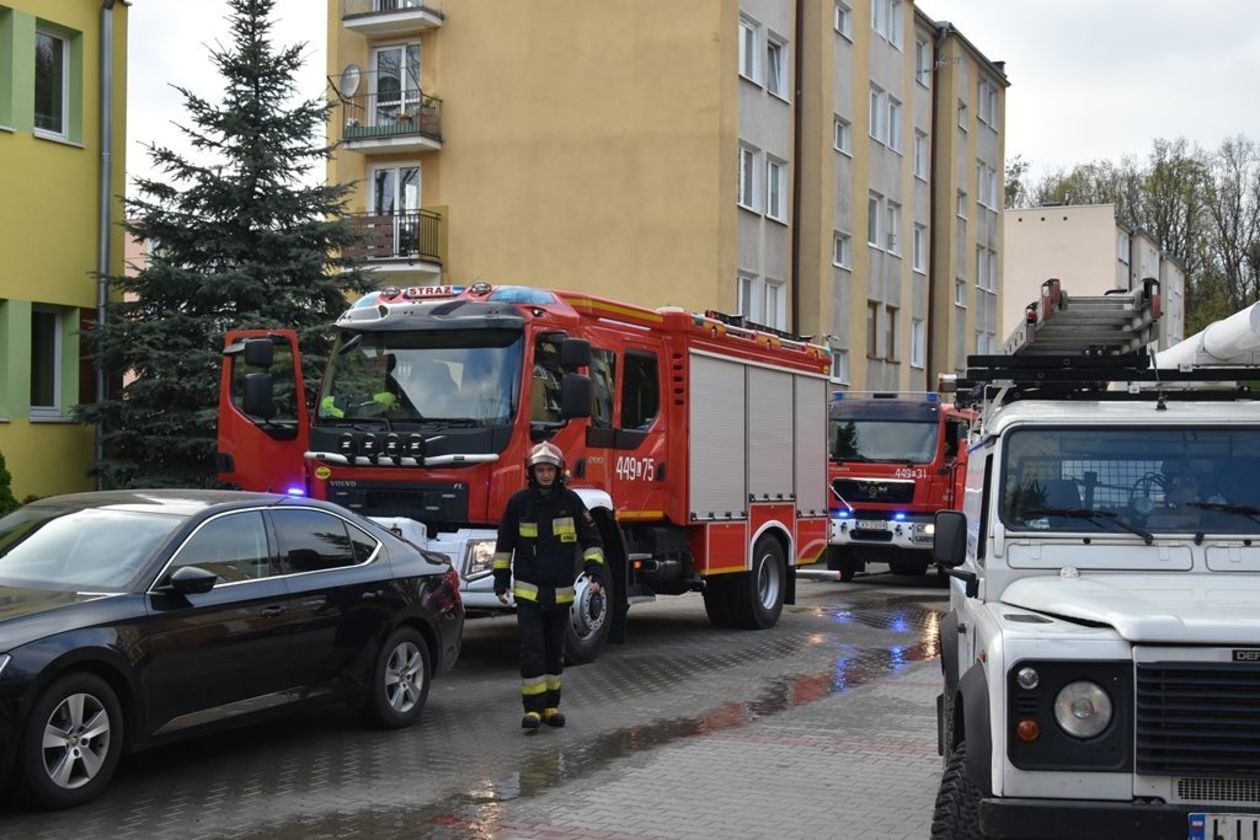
(698, 442)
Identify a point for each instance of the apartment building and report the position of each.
(779, 158)
(58, 62)
(1087, 248)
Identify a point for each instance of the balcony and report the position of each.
(391, 18)
(406, 121)
(407, 243)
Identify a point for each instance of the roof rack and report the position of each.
(742, 323)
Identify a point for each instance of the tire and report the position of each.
(757, 596)
(400, 680)
(86, 715)
(957, 814)
(909, 568)
(717, 601)
(840, 561)
(590, 619)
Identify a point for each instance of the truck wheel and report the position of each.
(909, 568)
(72, 742)
(757, 596)
(717, 601)
(840, 561)
(957, 815)
(590, 618)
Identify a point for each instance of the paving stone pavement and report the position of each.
(820, 727)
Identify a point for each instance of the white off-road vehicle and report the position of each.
(1101, 656)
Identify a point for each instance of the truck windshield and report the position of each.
(466, 377)
(897, 441)
(1192, 480)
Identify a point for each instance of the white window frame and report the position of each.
(962, 116)
(779, 66)
(920, 155)
(896, 25)
(894, 227)
(1123, 246)
(776, 181)
(842, 136)
(748, 65)
(879, 114)
(747, 178)
(879, 18)
(960, 292)
(748, 287)
(986, 107)
(778, 317)
(994, 203)
(65, 85)
(923, 62)
(59, 315)
(918, 343)
(842, 21)
(918, 249)
(840, 365)
(981, 267)
(961, 209)
(895, 125)
(842, 250)
(890, 333)
(874, 219)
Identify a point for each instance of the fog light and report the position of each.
(1028, 730)
(1027, 679)
(1083, 709)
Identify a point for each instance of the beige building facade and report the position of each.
(1091, 253)
(713, 154)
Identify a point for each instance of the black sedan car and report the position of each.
(134, 617)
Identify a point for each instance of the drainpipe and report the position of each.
(797, 143)
(106, 183)
(934, 368)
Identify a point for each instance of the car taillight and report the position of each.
(452, 580)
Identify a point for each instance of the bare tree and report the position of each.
(1234, 213)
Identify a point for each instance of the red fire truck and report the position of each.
(896, 459)
(697, 441)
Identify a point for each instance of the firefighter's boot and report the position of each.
(553, 717)
(531, 721)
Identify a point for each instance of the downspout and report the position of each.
(106, 183)
(933, 367)
(797, 143)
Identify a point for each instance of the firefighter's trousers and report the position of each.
(541, 633)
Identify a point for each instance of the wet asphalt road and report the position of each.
(321, 775)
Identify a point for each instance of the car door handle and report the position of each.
(372, 594)
(274, 609)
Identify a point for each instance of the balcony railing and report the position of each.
(409, 235)
(363, 8)
(372, 116)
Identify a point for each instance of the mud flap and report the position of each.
(789, 590)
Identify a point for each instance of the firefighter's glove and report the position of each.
(502, 595)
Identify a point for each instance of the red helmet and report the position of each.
(545, 453)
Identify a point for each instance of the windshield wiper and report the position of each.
(1095, 516)
(1252, 513)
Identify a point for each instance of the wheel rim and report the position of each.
(76, 741)
(769, 581)
(404, 677)
(589, 610)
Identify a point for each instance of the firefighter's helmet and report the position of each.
(545, 453)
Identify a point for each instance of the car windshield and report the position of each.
(467, 377)
(1192, 480)
(899, 441)
(79, 549)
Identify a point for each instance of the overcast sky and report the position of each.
(1090, 79)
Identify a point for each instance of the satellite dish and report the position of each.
(349, 83)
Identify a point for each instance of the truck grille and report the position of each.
(1219, 790)
(1198, 719)
(872, 490)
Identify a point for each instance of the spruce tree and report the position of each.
(7, 502)
(239, 238)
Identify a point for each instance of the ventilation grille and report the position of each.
(872, 490)
(1198, 719)
(1219, 790)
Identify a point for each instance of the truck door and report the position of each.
(263, 452)
(639, 449)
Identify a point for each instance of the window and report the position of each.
(993, 188)
(919, 248)
(751, 298)
(961, 209)
(920, 155)
(872, 337)
(776, 68)
(776, 308)
(986, 343)
(879, 115)
(748, 178)
(312, 541)
(843, 136)
(922, 62)
(874, 208)
(962, 115)
(986, 104)
(748, 50)
(894, 125)
(918, 345)
(234, 547)
(895, 24)
(981, 267)
(640, 391)
(603, 386)
(879, 17)
(986, 269)
(776, 190)
(46, 351)
(986, 185)
(842, 250)
(894, 228)
(548, 375)
(960, 292)
(1122, 246)
(840, 366)
(52, 75)
(843, 21)
(890, 334)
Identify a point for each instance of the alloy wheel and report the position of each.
(76, 741)
(404, 677)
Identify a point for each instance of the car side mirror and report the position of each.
(259, 352)
(259, 397)
(575, 396)
(949, 541)
(575, 353)
(192, 580)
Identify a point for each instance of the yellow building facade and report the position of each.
(50, 227)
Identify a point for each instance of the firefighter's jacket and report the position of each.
(545, 531)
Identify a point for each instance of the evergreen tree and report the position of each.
(7, 502)
(238, 239)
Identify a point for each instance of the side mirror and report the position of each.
(951, 440)
(259, 398)
(949, 543)
(575, 353)
(192, 580)
(575, 396)
(259, 352)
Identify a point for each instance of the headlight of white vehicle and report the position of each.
(927, 529)
(1083, 709)
(479, 558)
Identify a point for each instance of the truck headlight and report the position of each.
(479, 558)
(926, 529)
(1082, 709)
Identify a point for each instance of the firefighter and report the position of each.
(544, 526)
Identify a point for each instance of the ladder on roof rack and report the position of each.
(1110, 324)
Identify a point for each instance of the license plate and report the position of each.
(1224, 827)
(872, 525)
